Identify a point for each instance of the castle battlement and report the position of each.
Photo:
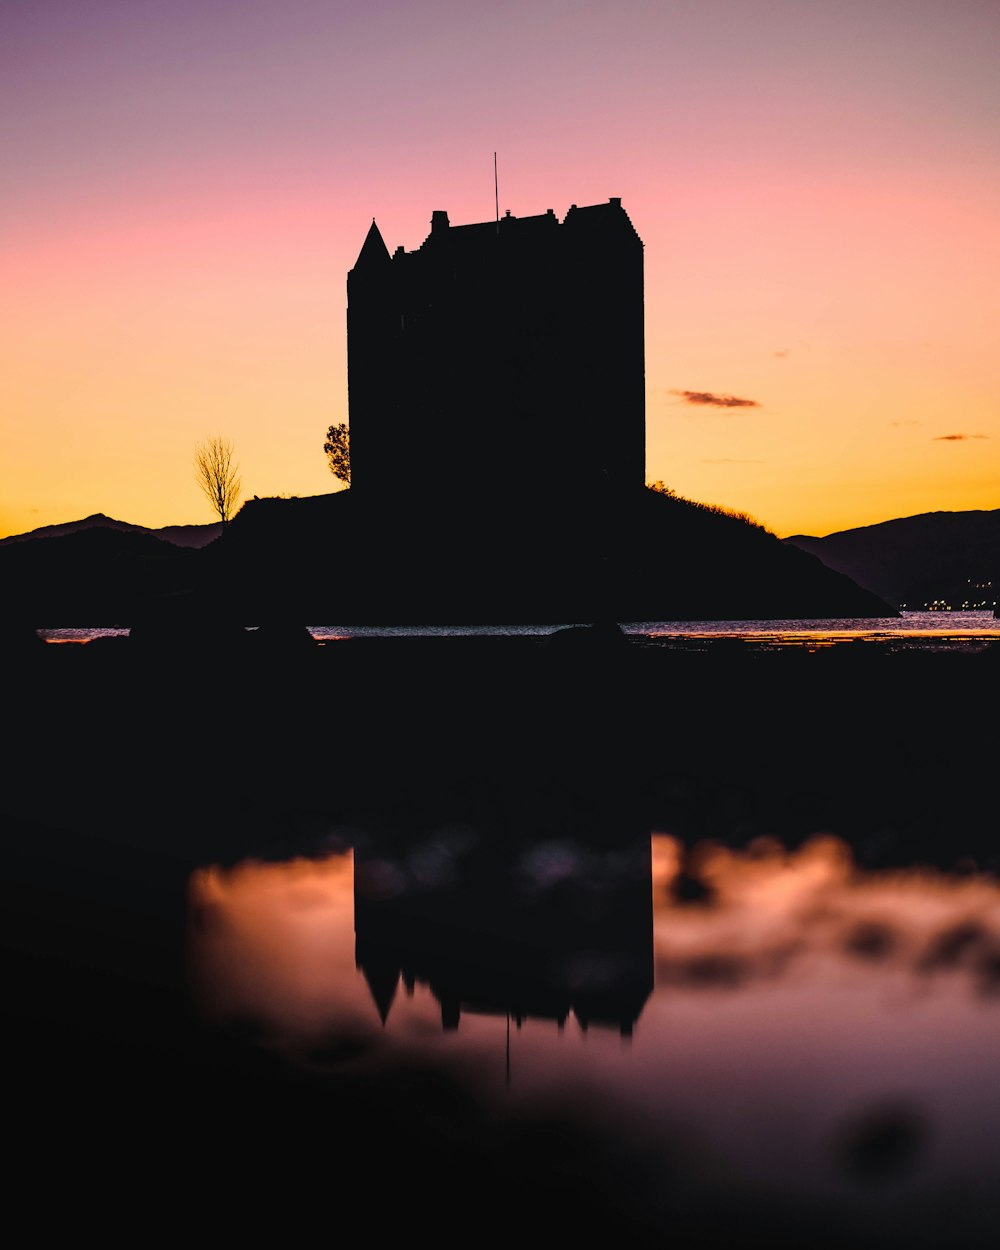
(499, 357)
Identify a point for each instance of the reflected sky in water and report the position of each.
(460, 953)
(966, 627)
(804, 1032)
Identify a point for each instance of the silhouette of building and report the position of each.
(484, 941)
(503, 356)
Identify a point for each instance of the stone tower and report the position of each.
(498, 360)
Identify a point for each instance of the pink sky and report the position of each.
(183, 188)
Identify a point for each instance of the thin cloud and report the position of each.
(711, 400)
(910, 421)
(956, 438)
(785, 351)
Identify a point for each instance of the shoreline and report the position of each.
(924, 629)
(202, 753)
(300, 642)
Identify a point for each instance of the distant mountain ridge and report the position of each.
(178, 535)
(99, 573)
(912, 561)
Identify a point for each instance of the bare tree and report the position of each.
(218, 476)
(338, 450)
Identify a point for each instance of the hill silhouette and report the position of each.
(179, 535)
(639, 555)
(97, 576)
(918, 559)
(635, 555)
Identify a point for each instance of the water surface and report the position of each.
(763, 1030)
(925, 629)
(683, 943)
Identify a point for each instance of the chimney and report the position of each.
(439, 220)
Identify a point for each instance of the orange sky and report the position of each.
(817, 186)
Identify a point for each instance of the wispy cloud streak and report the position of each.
(711, 400)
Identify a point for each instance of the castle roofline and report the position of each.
(373, 250)
(477, 233)
(609, 214)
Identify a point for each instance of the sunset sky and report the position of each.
(184, 186)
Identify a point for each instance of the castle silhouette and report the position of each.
(499, 357)
(496, 388)
(489, 939)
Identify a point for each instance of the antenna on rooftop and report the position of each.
(496, 190)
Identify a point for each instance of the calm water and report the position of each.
(450, 944)
(779, 1030)
(969, 628)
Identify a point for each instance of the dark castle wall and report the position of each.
(499, 357)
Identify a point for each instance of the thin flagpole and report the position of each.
(496, 190)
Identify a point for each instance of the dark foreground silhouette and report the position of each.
(133, 764)
(620, 555)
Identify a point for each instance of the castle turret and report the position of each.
(499, 358)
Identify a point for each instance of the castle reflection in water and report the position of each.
(545, 930)
(540, 931)
(778, 1023)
